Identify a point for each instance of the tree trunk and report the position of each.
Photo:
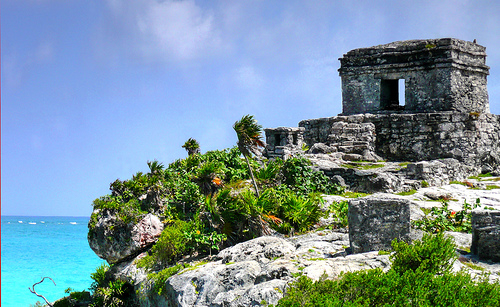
(252, 177)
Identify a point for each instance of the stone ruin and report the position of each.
(444, 112)
(424, 102)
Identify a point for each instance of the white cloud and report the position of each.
(167, 31)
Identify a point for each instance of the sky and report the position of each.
(92, 90)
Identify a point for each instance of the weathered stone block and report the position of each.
(486, 234)
(375, 222)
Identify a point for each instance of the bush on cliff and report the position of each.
(411, 281)
(176, 193)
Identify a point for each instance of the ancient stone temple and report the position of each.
(416, 100)
(434, 75)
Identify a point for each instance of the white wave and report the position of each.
(32, 223)
(73, 223)
(20, 222)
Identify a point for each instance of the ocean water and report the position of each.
(34, 247)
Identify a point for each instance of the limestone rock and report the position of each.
(258, 249)
(113, 240)
(321, 148)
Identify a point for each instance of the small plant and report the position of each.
(439, 219)
(475, 115)
(424, 184)
(115, 294)
(192, 146)
(99, 277)
(339, 211)
(160, 278)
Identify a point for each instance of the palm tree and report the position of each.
(249, 136)
(192, 146)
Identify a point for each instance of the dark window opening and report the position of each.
(392, 94)
(277, 139)
(295, 139)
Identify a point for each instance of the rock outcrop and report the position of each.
(115, 241)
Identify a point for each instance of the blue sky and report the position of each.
(92, 90)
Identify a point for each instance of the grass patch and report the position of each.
(371, 166)
(473, 266)
(492, 187)
(348, 166)
(354, 194)
(406, 193)
(316, 259)
(363, 165)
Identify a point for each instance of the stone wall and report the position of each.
(282, 141)
(471, 138)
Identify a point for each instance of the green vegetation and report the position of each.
(420, 276)
(109, 293)
(192, 146)
(349, 194)
(160, 278)
(425, 184)
(491, 187)
(206, 202)
(480, 176)
(439, 219)
(362, 165)
(249, 137)
(339, 211)
(406, 193)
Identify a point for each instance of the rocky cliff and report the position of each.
(257, 272)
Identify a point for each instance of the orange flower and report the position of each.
(217, 181)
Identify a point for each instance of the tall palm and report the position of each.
(192, 146)
(249, 136)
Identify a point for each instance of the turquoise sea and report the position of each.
(34, 247)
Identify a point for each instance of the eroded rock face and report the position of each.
(259, 270)
(113, 240)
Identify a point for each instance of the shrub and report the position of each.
(99, 277)
(412, 281)
(443, 219)
(434, 254)
(375, 288)
(116, 294)
(172, 243)
(301, 178)
(339, 211)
